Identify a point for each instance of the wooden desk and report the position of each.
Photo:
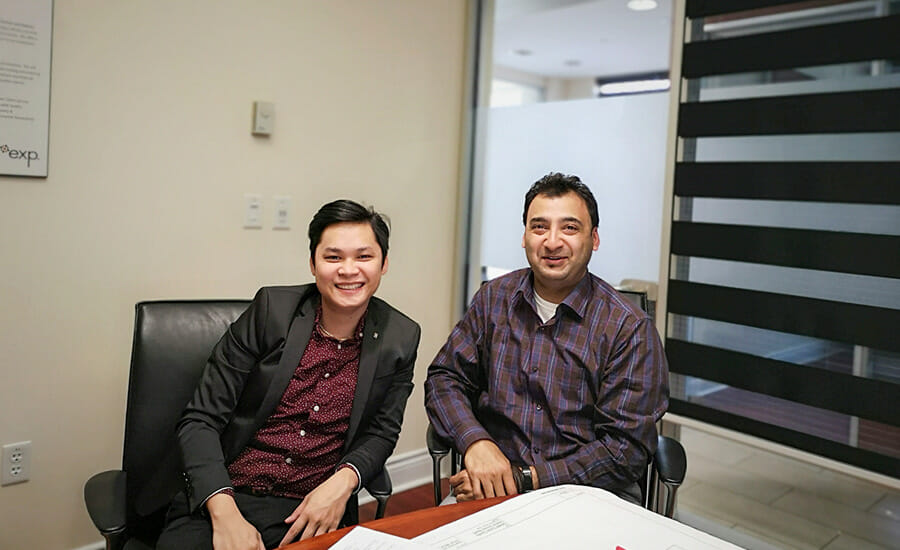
(409, 525)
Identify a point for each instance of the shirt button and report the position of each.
(302, 433)
(316, 408)
(539, 407)
(327, 374)
(289, 460)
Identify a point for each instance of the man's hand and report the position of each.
(322, 509)
(230, 530)
(489, 471)
(461, 486)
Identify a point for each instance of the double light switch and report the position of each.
(253, 212)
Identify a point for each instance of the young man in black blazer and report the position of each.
(301, 402)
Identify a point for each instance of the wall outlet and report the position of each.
(16, 463)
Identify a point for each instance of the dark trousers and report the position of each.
(186, 531)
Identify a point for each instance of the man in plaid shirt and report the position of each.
(551, 377)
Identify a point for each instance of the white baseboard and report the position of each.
(408, 470)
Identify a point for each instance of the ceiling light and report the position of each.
(634, 86)
(522, 51)
(642, 5)
(572, 63)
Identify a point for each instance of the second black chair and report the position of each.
(172, 342)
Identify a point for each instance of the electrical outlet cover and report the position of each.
(16, 463)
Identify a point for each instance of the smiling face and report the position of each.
(348, 267)
(558, 243)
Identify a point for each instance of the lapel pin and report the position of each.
(375, 335)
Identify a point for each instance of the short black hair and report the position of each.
(347, 211)
(555, 184)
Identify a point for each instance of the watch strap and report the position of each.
(519, 478)
(528, 484)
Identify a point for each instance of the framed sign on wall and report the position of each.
(26, 34)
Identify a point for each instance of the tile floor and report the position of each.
(761, 500)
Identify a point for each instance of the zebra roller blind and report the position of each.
(783, 300)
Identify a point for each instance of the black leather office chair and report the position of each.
(637, 298)
(172, 342)
(667, 466)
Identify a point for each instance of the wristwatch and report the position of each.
(527, 482)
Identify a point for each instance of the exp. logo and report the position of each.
(17, 154)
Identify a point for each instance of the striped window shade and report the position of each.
(783, 299)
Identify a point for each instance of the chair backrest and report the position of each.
(636, 297)
(172, 342)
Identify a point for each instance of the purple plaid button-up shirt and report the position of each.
(577, 397)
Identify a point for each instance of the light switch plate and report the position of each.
(282, 213)
(252, 211)
(263, 118)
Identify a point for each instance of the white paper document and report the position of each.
(361, 538)
(569, 516)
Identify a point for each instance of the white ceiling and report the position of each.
(604, 36)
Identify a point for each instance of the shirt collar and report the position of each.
(580, 297)
(376, 314)
(577, 300)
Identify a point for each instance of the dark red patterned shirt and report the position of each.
(301, 443)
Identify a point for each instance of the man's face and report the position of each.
(558, 243)
(348, 267)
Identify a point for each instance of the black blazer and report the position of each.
(250, 368)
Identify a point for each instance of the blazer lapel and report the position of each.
(368, 362)
(294, 346)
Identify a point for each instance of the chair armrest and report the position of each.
(670, 460)
(380, 488)
(380, 485)
(436, 445)
(104, 497)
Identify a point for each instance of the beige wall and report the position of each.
(150, 156)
